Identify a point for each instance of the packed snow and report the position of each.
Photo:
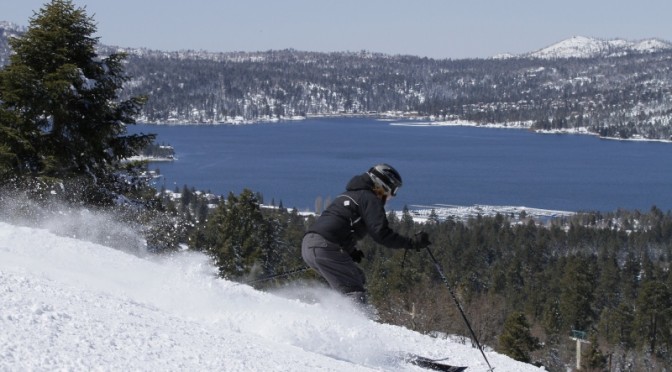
(67, 303)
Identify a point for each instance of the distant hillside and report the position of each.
(7, 30)
(612, 88)
(585, 47)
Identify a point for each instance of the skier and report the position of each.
(329, 246)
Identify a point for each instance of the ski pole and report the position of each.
(286, 273)
(459, 306)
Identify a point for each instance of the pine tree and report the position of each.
(653, 316)
(240, 238)
(516, 339)
(406, 224)
(607, 291)
(630, 277)
(577, 294)
(595, 360)
(623, 317)
(59, 106)
(433, 217)
(14, 145)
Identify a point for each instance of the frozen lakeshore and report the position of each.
(460, 212)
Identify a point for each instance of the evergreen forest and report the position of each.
(625, 97)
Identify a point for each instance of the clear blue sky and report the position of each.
(431, 28)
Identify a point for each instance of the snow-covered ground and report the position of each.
(517, 125)
(70, 304)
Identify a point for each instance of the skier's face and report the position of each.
(381, 194)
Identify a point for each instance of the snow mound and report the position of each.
(69, 304)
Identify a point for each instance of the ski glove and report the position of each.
(421, 240)
(357, 255)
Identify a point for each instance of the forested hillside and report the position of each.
(627, 96)
(623, 93)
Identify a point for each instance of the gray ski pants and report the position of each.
(333, 263)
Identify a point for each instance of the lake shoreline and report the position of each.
(415, 120)
(464, 165)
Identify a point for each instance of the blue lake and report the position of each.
(297, 162)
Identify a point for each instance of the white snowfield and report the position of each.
(68, 304)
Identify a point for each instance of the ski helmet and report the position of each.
(385, 177)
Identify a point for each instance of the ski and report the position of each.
(433, 364)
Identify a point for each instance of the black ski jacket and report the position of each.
(355, 213)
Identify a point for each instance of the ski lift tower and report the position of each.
(579, 337)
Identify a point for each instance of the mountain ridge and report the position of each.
(623, 91)
(588, 47)
(573, 47)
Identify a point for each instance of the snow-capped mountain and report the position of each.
(68, 304)
(586, 47)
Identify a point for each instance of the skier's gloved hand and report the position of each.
(421, 240)
(351, 244)
(357, 255)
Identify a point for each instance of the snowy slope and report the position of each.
(69, 304)
(586, 47)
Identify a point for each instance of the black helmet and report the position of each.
(385, 177)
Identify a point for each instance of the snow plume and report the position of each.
(112, 229)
